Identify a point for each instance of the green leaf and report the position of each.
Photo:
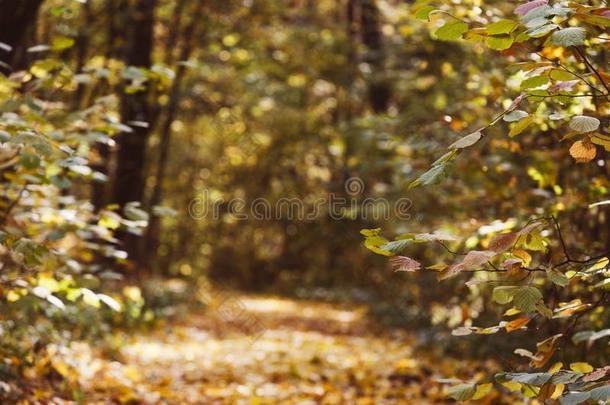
(574, 398)
(432, 176)
(423, 13)
(29, 161)
(557, 278)
(504, 294)
(520, 126)
(500, 42)
(526, 299)
(536, 379)
(466, 141)
(515, 116)
(534, 82)
(582, 124)
(572, 36)
(462, 392)
(541, 31)
(501, 27)
(396, 246)
(451, 31)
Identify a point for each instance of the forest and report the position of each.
(304, 202)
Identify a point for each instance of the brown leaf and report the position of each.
(502, 242)
(475, 258)
(529, 228)
(511, 264)
(451, 271)
(404, 263)
(583, 151)
(597, 374)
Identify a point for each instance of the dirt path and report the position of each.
(306, 353)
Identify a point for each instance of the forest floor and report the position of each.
(306, 352)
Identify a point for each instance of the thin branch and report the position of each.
(593, 70)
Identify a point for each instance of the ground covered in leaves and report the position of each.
(305, 353)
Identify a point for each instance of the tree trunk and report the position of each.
(129, 176)
(379, 88)
(152, 237)
(16, 18)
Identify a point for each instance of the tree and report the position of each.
(135, 111)
(16, 19)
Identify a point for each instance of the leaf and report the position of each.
(423, 13)
(520, 126)
(462, 331)
(396, 246)
(529, 6)
(501, 27)
(515, 115)
(600, 393)
(403, 263)
(38, 48)
(111, 302)
(581, 367)
(451, 31)
(56, 301)
(534, 82)
(574, 398)
(516, 324)
(61, 43)
(599, 140)
(540, 31)
(462, 392)
(583, 151)
(466, 141)
(476, 258)
(583, 123)
(502, 242)
(504, 294)
(482, 391)
(597, 374)
(526, 298)
(500, 42)
(572, 36)
(432, 176)
(536, 379)
(558, 278)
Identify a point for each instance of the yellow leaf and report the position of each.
(603, 142)
(559, 388)
(524, 256)
(555, 367)
(512, 311)
(482, 390)
(581, 367)
(12, 296)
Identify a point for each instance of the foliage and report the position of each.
(530, 268)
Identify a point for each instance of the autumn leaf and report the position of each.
(583, 151)
(403, 263)
(475, 258)
(502, 242)
(516, 324)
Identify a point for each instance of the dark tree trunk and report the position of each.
(115, 42)
(129, 176)
(16, 18)
(379, 88)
